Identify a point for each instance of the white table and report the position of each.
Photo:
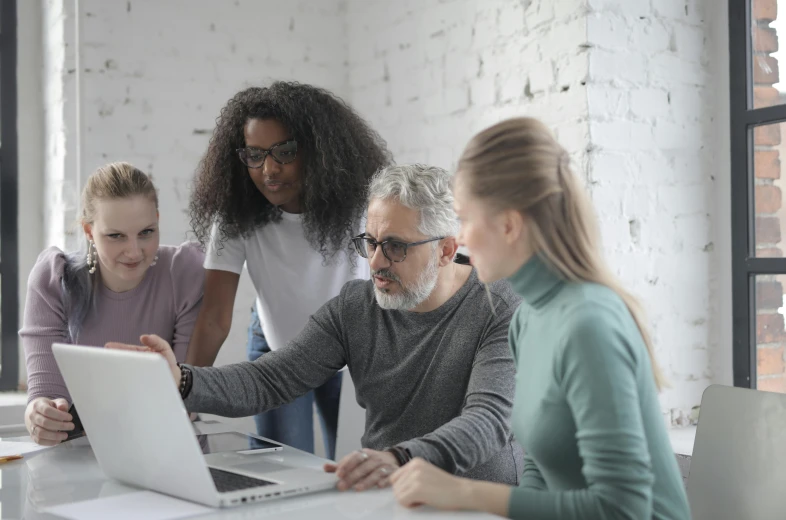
(69, 473)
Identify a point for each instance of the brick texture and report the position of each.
(767, 135)
(767, 164)
(769, 295)
(769, 252)
(768, 230)
(769, 361)
(771, 372)
(772, 384)
(765, 70)
(764, 11)
(765, 96)
(769, 328)
(646, 127)
(767, 199)
(428, 75)
(765, 40)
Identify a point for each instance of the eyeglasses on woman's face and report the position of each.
(282, 153)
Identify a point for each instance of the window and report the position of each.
(9, 257)
(758, 177)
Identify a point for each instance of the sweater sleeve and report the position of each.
(482, 429)
(596, 371)
(531, 477)
(44, 323)
(188, 280)
(279, 377)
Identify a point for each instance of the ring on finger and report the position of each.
(363, 454)
(384, 470)
(34, 427)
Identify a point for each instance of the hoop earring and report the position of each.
(92, 260)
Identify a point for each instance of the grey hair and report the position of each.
(423, 188)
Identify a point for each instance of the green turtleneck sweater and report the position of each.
(586, 407)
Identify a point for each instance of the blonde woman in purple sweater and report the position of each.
(125, 285)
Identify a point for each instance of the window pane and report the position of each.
(767, 25)
(770, 333)
(769, 145)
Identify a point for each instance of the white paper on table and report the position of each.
(19, 448)
(129, 506)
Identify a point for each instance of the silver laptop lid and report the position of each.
(136, 421)
(738, 467)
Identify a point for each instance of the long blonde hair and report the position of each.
(517, 164)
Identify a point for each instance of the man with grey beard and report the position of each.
(425, 343)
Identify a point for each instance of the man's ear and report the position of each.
(448, 250)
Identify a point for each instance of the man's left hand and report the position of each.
(364, 469)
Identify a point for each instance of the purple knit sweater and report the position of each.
(166, 303)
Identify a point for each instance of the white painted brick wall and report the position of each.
(652, 98)
(153, 77)
(643, 114)
(454, 67)
(628, 85)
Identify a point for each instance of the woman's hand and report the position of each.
(420, 483)
(153, 343)
(363, 469)
(47, 420)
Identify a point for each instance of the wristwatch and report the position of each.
(402, 454)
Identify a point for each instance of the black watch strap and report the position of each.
(402, 454)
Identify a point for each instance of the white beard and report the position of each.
(411, 297)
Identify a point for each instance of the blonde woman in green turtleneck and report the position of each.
(586, 407)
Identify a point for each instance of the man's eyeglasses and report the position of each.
(394, 250)
(282, 153)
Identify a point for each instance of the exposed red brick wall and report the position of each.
(770, 333)
(765, 11)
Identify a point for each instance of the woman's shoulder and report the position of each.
(184, 266)
(586, 300)
(48, 268)
(188, 255)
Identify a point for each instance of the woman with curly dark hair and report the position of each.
(282, 189)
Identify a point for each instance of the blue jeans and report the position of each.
(293, 424)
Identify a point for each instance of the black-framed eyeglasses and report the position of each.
(282, 153)
(394, 250)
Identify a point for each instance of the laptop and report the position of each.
(738, 467)
(141, 435)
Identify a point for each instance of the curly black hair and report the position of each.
(340, 152)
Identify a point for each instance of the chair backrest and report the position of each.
(738, 467)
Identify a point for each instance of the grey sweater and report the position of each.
(439, 383)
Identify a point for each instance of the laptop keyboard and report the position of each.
(227, 481)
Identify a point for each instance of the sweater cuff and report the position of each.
(426, 452)
(529, 503)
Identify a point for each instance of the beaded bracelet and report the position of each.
(185, 380)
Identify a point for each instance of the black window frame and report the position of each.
(9, 192)
(745, 265)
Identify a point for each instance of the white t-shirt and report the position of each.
(289, 275)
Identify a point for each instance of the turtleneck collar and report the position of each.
(536, 282)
